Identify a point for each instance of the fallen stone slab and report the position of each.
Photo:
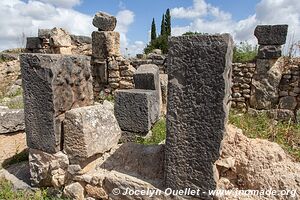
(271, 34)
(136, 110)
(11, 120)
(58, 83)
(90, 131)
(146, 77)
(104, 22)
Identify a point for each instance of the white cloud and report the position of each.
(17, 17)
(210, 19)
(125, 18)
(63, 3)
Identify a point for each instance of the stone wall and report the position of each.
(241, 84)
(58, 41)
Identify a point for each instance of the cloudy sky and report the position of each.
(239, 18)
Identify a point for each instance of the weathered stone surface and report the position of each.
(125, 84)
(47, 169)
(136, 110)
(60, 38)
(164, 92)
(79, 39)
(104, 21)
(147, 77)
(199, 73)
(271, 34)
(265, 84)
(105, 44)
(11, 121)
(96, 192)
(99, 71)
(57, 83)
(269, 51)
(74, 191)
(257, 165)
(90, 131)
(288, 102)
(33, 43)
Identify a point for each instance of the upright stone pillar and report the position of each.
(199, 73)
(268, 73)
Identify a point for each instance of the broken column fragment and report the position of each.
(104, 21)
(199, 73)
(105, 44)
(53, 84)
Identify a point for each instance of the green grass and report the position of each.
(13, 104)
(158, 134)
(7, 192)
(286, 134)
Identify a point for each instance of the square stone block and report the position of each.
(33, 43)
(53, 84)
(271, 34)
(136, 110)
(105, 44)
(90, 131)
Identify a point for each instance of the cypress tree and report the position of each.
(168, 22)
(153, 30)
(163, 26)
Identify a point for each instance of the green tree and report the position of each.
(168, 22)
(153, 31)
(163, 26)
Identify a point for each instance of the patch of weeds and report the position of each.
(7, 192)
(286, 134)
(158, 134)
(15, 105)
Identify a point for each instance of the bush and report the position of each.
(244, 52)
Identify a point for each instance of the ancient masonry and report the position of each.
(58, 41)
(138, 109)
(198, 103)
(271, 85)
(110, 69)
(73, 142)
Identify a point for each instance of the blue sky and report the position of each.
(145, 10)
(239, 18)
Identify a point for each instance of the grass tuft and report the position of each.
(7, 192)
(286, 134)
(158, 134)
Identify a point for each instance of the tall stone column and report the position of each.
(199, 73)
(268, 73)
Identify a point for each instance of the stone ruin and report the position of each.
(58, 41)
(73, 141)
